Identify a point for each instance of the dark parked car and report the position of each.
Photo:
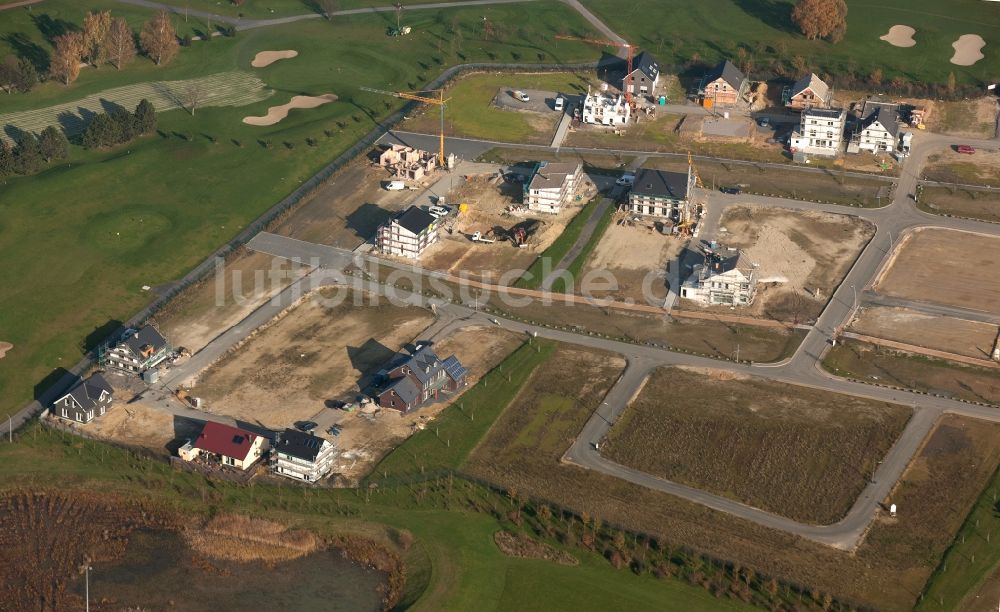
(730, 190)
(306, 426)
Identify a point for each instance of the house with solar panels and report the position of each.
(411, 380)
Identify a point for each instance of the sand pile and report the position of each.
(900, 36)
(968, 49)
(4, 347)
(277, 113)
(266, 58)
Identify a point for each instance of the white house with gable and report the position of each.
(730, 281)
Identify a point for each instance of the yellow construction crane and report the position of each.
(440, 100)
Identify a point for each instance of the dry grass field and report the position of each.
(798, 253)
(315, 352)
(522, 453)
(235, 537)
(946, 267)
(959, 336)
(804, 454)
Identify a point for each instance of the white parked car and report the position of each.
(560, 102)
(626, 180)
(438, 211)
(395, 186)
(520, 95)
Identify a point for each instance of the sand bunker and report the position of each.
(968, 49)
(900, 36)
(266, 58)
(4, 347)
(277, 113)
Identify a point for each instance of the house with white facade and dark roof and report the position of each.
(412, 380)
(85, 401)
(137, 351)
(303, 456)
(552, 185)
(820, 133)
(645, 76)
(661, 194)
(722, 280)
(878, 128)
(407, 233)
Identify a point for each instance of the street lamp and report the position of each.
(10, 429)
(855, 290)
(86, 570)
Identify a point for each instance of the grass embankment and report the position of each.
(867, 362)
(446, 443)
(962, 173)
(972, 557)
(713, 30)
(144, 214)
(576, 266)
(550, 257)
(804, 454)
(971, 203)
(471, 112)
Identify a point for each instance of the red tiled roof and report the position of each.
(225, 440)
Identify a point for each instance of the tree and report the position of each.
(145, 117)
(121, 43)
(194, 94)
(27, 76)
(821, 19)
(875, 77)
(158, 39)
(66, 57)
(951, 83)
(328, 7)
(9, 74)
(53, 143)
(6, 159)
(96, 28)
(28, 155)
(100, 132)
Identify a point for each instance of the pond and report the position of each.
(160, 571)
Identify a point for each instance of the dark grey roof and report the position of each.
(645, 62)
(299, 444)
(414, 219)
(406, 389)
(146, 335)
(885, 115)
(829, 113)
(661, 183)
(729, 73)
(87, 393)
(425, 364)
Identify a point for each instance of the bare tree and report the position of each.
(96, 28)
(158, 39)
(328, 7)
(66, 57)
(194, 95)
(821, 18)
(121, 43)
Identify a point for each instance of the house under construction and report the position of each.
(408, 163)
(606, 109)
(725, 278)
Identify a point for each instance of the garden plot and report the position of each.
(805, 454)
(945, 267)
(223, 89)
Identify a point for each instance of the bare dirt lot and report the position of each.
(798, 253)
(946, 267)
(364, 441)
(971, 118)
(348, 208)
(487, 199)
(982, 168)
(207, 309)
(631, 254)
(802, 454)
(137, 424)
(969, 338)
(317, 351)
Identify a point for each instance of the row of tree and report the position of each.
(17, 75)
(108, 40)
(119, 126)
(31, 153)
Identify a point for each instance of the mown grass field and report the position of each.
(804, 454)
(712, 30)
(471, 112)
(550, 257)
(575, 267)
(868, 362)
(97, 228)
(452, 565)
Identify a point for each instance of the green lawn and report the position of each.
(576, 266)
(453, 565)
(470, 113)
(532, 277)
(712, 29)
(81, 239)
(971, 558)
